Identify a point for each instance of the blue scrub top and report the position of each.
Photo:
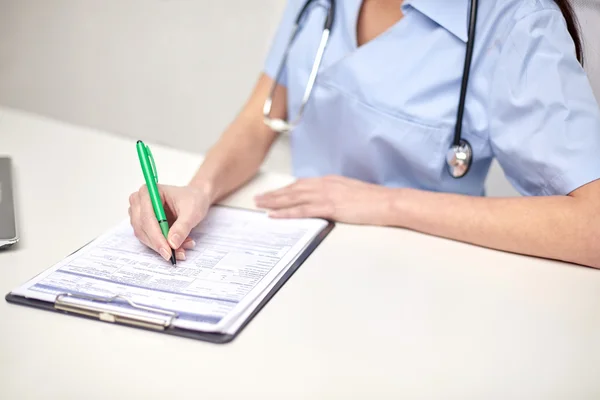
(385, 112)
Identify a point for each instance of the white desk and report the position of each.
(373, 313)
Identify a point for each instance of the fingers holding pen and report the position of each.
(145, 225)
(134, 218)
(146, 229)
(184, 207)
(188, 244)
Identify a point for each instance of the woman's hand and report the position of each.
(184, 206)
(334, 198)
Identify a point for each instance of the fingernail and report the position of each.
(165, 254)
(175, 240)
(190, 244)
(180, 255)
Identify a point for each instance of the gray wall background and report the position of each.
(173, 72)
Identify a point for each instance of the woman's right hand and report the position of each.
(185, 207)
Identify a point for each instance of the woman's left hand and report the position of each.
(334, 198)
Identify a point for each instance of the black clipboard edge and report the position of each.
(216, 338)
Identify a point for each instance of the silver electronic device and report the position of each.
(8, 220)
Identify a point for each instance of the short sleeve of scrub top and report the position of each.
(385, 112)
(545, 125)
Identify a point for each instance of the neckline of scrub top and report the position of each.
(351, 9)
(352, 14)
(450, 15)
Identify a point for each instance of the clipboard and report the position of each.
(160, 321)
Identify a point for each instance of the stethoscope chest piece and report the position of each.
(459, 159)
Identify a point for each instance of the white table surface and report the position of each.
(373, 313)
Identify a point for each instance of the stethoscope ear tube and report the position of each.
(328, 20)
(330, 15)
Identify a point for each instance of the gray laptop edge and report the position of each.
(8, 223)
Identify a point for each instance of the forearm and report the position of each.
(234, 160)
(242, 148)
(561, 227)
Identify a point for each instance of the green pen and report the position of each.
(151, 177)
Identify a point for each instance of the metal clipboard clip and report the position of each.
(161, 322)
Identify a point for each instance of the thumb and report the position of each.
(186, 220)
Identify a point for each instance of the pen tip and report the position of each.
(173, 260)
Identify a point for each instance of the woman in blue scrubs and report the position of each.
(371, 144)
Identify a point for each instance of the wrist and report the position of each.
(205, 187)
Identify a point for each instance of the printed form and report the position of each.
(239, 256)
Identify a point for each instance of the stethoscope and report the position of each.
(460, 154)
